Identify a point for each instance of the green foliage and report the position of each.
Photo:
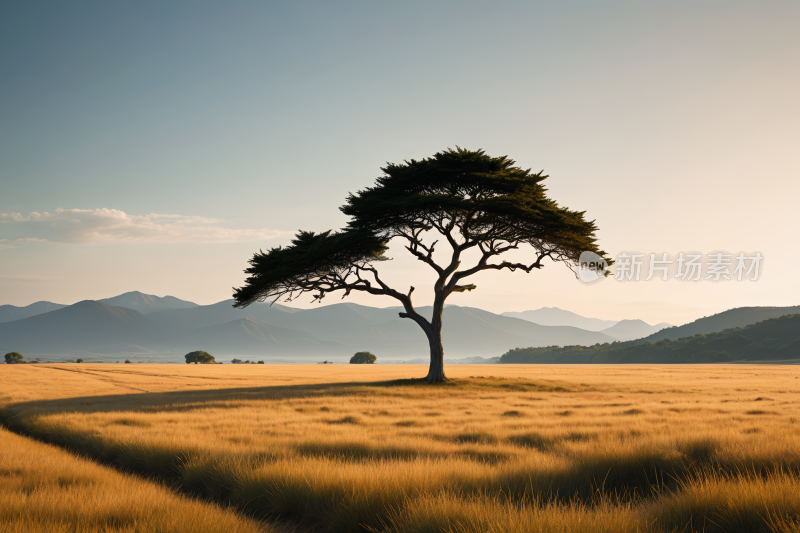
(199, 357)
(474, 200)
(283, 271)
(488, 198)
(79, 361)
(363, 358)
(768, 340)
(13, 357)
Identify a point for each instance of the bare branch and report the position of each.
(414, 246)
(492, 249)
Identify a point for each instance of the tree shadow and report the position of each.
(187, 400)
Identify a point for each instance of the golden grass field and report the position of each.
(364, 448)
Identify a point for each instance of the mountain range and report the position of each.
(10, 313)
(173, 327)
(553, 316)
(732, 318)
(147, 303)
(622, 330)
(769, 340)
(142, 326)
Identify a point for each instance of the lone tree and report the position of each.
(363, 358)
(13, 357)
(199, 357)
(481, 205)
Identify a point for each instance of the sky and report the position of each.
(155, 146)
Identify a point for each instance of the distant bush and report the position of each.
(236, 361)
(363, 358)
(261, 362)
(127, 361)
(201, 357)
(13, 357)
(79, 361)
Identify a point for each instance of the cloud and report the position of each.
(24, 277)
(5, 246)
(97, 226)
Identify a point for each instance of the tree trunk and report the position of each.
(436, 370)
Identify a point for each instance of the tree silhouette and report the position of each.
(13, 357)
(199, 357)
(363, 358)
(475, 202)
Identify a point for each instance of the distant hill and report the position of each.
(222, 312)
(466, 331)
(733, 318)
(334, 332)
(84, 326)
(253, 337)
(352, 327)
(147, 303)
(774, 339)
(628, 330)
(553, 316)
(9, 313)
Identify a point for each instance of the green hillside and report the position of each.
(775, 339)
(738, 317)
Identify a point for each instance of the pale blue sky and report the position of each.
(674, 124)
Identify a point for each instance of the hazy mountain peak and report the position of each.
(147, 303)
(631, 329)
(554, 316)
(9, 313)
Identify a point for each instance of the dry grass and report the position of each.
(533, 448)
(44, 489)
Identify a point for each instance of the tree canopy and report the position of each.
(199, 357)
(363, 358)
(13, 357)
(469, 199)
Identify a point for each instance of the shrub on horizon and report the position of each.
(201, 357)
(79, 360)
(363, 358)
(13, 357)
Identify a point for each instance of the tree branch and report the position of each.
(483, 264)
(415, 243)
